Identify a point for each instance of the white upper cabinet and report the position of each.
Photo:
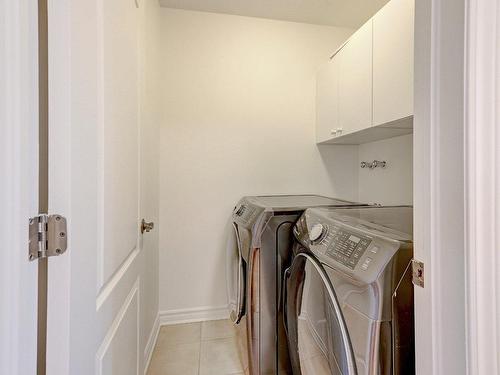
(355, 81)
(327, 116)
(365, 93)
(393, 40)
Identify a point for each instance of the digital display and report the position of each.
(347, 248)
(354, 239)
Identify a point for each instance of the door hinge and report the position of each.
(417, 272)
(47, 236)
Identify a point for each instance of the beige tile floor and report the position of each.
(207, 348)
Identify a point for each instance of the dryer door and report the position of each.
(235, 276)
(318, 339)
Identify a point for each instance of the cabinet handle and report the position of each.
(336, 132)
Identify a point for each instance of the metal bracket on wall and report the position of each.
(418, 273)
(146, 227)
(48, 236)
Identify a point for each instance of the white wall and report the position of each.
(394, 183)
(239, 97)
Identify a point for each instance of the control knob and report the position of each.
(317, 232)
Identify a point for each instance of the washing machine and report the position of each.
(348, 294)
(258, 253)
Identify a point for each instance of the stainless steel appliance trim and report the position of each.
(286, 276)
(238, 314)
(351, 362)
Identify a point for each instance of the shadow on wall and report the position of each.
(393, 184)
(340, 164)
(230, 262)
(227, 264)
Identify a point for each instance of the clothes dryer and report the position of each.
(349, 296)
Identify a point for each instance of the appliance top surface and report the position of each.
(395, 222)
(296, 202)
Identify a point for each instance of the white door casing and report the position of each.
(482, 178)
(439, 186)
(103, 178)
(18, 185)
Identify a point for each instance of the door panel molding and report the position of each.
(131, 302)
(151, 342)
(113, 282)
(118, 107)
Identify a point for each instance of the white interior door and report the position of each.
(97, 290)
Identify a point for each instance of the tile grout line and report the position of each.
(218, 335)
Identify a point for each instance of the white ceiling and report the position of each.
(346, 13)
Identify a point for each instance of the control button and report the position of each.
(374, 250)
(366, 263)
(316, 232)
(240, 210)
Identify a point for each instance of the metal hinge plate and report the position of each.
(417, 273)
(47, 236)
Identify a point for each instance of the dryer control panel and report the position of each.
(349, 247)
(335, 242)
(245, 213)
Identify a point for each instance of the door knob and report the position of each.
(146, 227)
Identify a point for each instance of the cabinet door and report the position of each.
(355, 81)
(393, 38)
(327, 86)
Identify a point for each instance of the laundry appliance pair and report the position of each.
(275, 280)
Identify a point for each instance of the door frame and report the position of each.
(439, 214)
(19, 185)
(482, 186)
(456, 169)
(59, 280)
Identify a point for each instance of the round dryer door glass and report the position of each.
(317, 335)
(235, 276)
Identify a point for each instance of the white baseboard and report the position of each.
(150, 345)
(197, 314)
